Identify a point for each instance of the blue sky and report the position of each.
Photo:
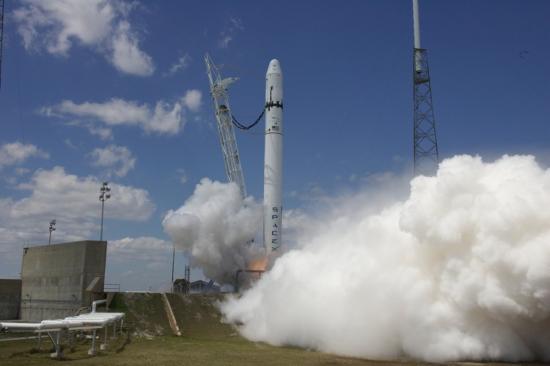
(82, 88)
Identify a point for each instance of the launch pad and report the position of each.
(239, 272)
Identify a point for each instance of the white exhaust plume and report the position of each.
(214, 227)
(458, 271)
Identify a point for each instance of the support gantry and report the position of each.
(425, 149)
(220, 98)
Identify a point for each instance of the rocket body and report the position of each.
(273, 158)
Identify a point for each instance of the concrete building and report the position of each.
(10, 299)
(59, 279)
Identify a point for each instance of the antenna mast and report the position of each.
(220, 97)
(426, 153)
(1, 36)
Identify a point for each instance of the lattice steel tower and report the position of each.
(220, 97)
(426, 153)
(1, 36)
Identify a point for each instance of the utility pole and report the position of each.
(52, 228)
(104, 194)
(425, 149)
(173, 260)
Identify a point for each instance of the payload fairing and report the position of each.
(273, 158)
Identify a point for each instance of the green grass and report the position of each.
(205, 340)
(170, 350)
(198, 316)
(145, 315)
(197, 351)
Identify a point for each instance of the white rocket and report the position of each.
(273, 158)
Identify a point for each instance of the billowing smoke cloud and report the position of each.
(460, 270)
(215, 227)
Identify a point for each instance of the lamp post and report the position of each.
(173, 259)
(52, 228)
(104, 194)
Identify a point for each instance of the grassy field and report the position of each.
(147, 341)
(169, 350)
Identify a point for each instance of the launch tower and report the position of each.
(425, 150)
(1, 36)
(220, 97)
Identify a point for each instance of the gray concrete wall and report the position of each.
(10, 299)
(55, 278)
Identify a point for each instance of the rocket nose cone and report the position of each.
(274, 67)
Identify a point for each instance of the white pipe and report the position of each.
(416, 23)
(46, 324)
(21, 326)
(97, 302)
(97, 316)
(83, 320)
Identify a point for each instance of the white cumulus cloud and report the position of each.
(180, 65)
(72, 201)
(193, 99)
(164, 118)
(17, 152)
(138, 263)
(118, 160)
(127, 56)
(143, 248)
(55, 25)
